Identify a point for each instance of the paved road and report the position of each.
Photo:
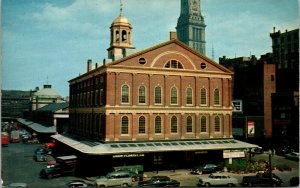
(18, 166)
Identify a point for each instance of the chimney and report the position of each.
(173, 35)
(89, 65)
(96, 66)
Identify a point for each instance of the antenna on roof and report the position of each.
(47, 80)
(121, 7)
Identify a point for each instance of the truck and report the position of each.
(4, 139)
(64, 165)
(15, 136)
(262, 180)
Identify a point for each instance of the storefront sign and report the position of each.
(251, 128)
(234, 154)
(129, 155)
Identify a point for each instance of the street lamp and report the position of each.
(270, 162)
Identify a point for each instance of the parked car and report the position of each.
(17, 185)
(159, 181)
(78, 183)
(43, 150)
(119, 178)
(217, 179)
(207, 168)
(258, 150)
(292, 156)
(39, 156)
(262, 180)
(294, 181)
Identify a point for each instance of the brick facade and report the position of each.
(97, 110)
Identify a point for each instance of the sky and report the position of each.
(50, 41)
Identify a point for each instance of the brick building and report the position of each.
(146, 107)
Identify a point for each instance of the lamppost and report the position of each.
(270, 163)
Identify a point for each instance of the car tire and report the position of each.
(125, 185)
(207, 185)
(49, 176)
(230, 185)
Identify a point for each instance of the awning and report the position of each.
(37, 127)
(24, 121)
(98, 148)
(42, 129)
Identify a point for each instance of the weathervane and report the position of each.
(121, 7)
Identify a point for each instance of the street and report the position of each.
(18, 166)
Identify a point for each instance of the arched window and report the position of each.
(174, 124)
(203, 96)
(173, 64)
(189, 124)
(157, 124)
(117, 36)
(142, 94)
(217, 124)
(124, 126)
(157, 96)
(203, 124)
(173, 95)
(125, 94)
(189, 96)
(124, 35)
(217, 97)
(142, 125)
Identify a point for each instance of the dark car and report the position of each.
(292, 156)
(206, 169)
(43, 150)
(78, 183)
(159, 181)
(262, 180)
(294, 181)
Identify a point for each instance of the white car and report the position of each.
(217, 179)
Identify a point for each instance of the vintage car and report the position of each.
(159, 181)
(217, 179)
(207, 168)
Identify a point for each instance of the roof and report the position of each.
(37, 127)
(47, 92)
(98, 148)
(121, 20)
(173, 41)
(53, 107)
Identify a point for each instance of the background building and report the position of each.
(270, 98)
(14, 103)
(285, 101)
(44, 96)
(191, 26)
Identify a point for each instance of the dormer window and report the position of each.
(173, 64)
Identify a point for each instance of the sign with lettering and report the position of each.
(129, 155)
(237, 106)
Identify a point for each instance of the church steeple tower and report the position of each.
(120, 36)
(191, 26)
